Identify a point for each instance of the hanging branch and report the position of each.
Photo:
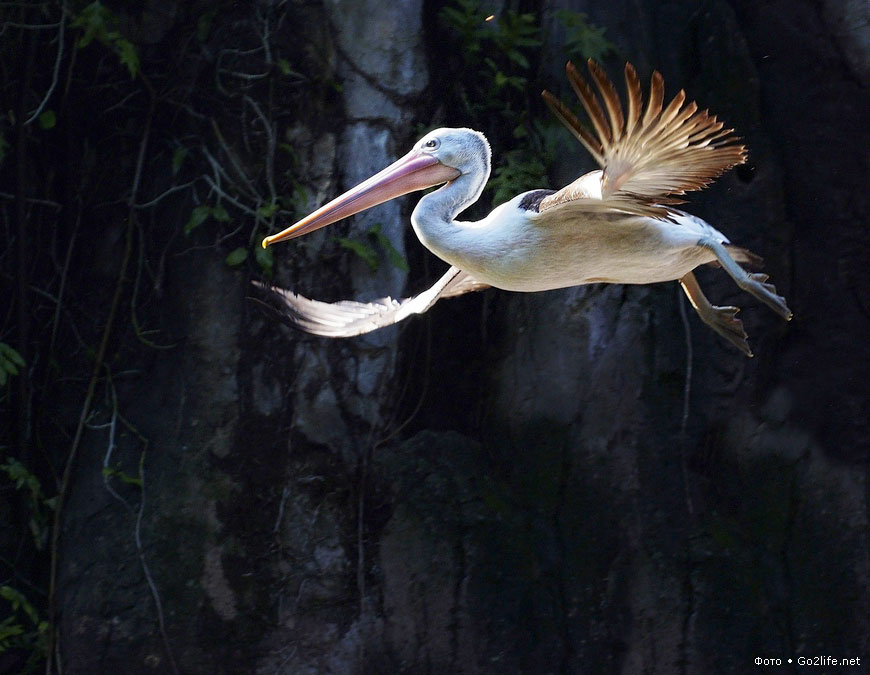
(92, 384)
(23, 402)
(54, 75)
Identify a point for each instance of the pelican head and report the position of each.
(466, 150)
(440, 156)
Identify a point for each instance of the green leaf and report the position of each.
(363, 250)
(284, 66)
(21, 476)
(48, 119)
(7, 366)
(10, 594)
(4, 147)
(93, 20)
(265, 259)
(128, 55)
(395, 258)
(203, 25)
(266, 211)
(237, 257)
(39, 533)
(583, 39)
(113, 472)
(10, 362)
(11, 354)
(517, 57)
(99, 23)
(178, 158)
(219, 213)
(18, 601)
(519, 171)
(452, 16)
(197, 217)
(8, 629)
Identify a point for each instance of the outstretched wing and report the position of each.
(348, 318)
(647, 156)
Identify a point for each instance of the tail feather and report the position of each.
(742, 255)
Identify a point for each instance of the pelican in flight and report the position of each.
(613, 225)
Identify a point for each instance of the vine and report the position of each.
(113, 137)
(126, 149)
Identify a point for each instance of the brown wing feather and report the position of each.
(569, 119)
(647, 158)
(587, 98)
(635, 98)
(611, 100)
(656, 96)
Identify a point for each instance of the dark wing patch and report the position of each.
(532, 200)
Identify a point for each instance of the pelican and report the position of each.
(615, 225)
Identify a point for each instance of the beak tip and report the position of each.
(266, 242)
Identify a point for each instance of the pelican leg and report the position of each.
(754, 283)
(721, 319)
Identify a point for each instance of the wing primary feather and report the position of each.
(656, 96)
(635, 98)
(610, 98)
(670, 112)
(587, 98)
(677, 126)
(649, 154)
(569, 119)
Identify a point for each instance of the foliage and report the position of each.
(237, 256)
(517, 168)
(47, 119)
(10, 362)
(499, 55)
(264, 257)
(40, 508)
(120, 474)
(367, 247)
(202, 213)
(99, 23)
(155, 140)
(393, 256)
(23, 628)
(583, 40)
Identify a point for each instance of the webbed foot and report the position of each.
(721, 319)
(725, 322)
(756, 284)
(751, 282)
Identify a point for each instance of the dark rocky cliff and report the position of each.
(509, 484)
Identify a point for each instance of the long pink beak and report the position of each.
(414, 171)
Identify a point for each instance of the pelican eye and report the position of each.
(431, 143)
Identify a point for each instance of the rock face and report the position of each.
(548, 506)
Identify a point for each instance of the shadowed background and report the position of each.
(572, 481)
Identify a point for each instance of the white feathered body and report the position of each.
(522, 250)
